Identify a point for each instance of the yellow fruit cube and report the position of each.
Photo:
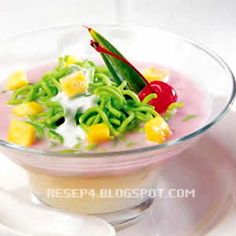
(98, 133)
(70, 60)
(27, 108)
(21, 133)
(74, 84)
(153, 74)
(17, 80)
(157, 130)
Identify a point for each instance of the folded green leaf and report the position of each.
(118, 66)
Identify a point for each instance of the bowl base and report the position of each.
(118, 219)
(127, 217)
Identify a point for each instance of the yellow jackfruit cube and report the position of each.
(153, 74)
(157, 130)
(17, 80)
(70, 60)
(74, 84)
(98, 133)
(27, 108)
(21, 133)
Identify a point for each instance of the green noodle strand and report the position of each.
(149, 97)
(126, 122)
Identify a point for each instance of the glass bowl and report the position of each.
(118, 185)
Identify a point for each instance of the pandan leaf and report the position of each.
(120, 68)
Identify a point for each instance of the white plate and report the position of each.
(208, 167)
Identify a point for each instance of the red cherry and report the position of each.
(165, 95)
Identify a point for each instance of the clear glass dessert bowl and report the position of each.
(115, 185)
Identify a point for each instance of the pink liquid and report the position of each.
(195, 100)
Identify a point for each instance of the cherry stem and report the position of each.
(101, 49)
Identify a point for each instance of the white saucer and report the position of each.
(209, 167)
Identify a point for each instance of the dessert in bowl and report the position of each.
(92, 132)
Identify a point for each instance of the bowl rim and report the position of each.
(156, 147)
